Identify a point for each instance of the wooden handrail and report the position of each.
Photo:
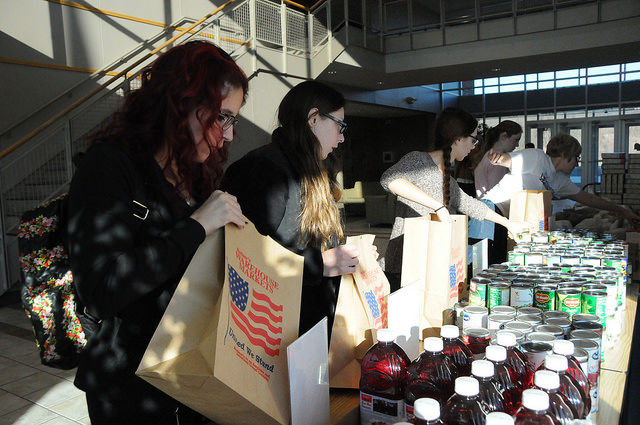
(77, 103)
(316, 5)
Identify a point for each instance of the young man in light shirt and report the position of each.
(532, 169)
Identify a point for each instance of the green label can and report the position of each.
(544, 297)
(595, 302)
(499, 294)
(569, 301)
(516, 257)
(478, 291)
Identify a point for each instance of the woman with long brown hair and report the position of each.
(502, 138)
(285, 189)
(424, 185)
(141, 202)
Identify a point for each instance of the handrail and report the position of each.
(48, 123)
(316, 5)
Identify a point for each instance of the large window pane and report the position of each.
(633, 66)
(567, 74)
(633, 133)
(511, 87)
(604, 79)
(567, 83)
(607, 69)
(512, 79)
(605, 141)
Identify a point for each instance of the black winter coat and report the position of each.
(269, 193)
(125, 269)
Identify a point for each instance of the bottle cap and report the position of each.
(546, 379)
(482, 368)
(535, 399)
(449, 331)
(384, 335)
(467, 386)
(496, 353)
(564, 347)
(506, 339)
(433, 344)
(499, 418)
(426, 409)
(556, 362)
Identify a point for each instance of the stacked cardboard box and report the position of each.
(631, 196)
(613, 176)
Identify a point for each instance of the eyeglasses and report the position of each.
(342, 124)
(475, 140)
(227, 120)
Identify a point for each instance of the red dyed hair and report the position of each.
(194, 75)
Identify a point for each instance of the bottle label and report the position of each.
(379, 410)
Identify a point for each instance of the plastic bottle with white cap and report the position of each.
(535, 409)
(456, 350)
(382, 376)
(464, 408)
(490, 397)
(515, 359)
(427, 412)
(499, 418)
(568, 386)
(428, 376)
(566, 348)
(549, 382)
(504, 376)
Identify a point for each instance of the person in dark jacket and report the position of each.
(285, 189)
(141, 202)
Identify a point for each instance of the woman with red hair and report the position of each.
(141, 202)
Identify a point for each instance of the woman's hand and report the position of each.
(499, 158)
(443, 215)
(627, 213)
(220, 209)
(517, 227)
(374, 249)
(340, 260)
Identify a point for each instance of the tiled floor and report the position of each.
(32, 394)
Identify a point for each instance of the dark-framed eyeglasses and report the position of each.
(475, 140)
(227, 120)
(342, 124)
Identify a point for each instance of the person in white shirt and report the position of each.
(532, 169)
(504, 137)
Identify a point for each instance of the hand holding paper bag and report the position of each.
(221, 349)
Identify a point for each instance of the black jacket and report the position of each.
(125, 269)
(269, 193)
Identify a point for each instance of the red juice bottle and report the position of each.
(534, 410)
(426, 412)
(549, 382)
(460, 355)
(464, 408)
(566, 348)
(491, 398)
(515, 359)
(383, 371)
(428, 376)
(499, 418)
(504, 376)
(568, 386)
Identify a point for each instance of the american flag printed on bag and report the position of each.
(255, 314)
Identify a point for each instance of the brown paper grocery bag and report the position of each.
(221, 349)
(361, 309)
(533, 207)
(435, 256)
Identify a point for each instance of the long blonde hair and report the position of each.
(319, 220)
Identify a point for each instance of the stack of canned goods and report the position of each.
(556, 285)
(566, 271)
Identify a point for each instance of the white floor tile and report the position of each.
(29, 415)
(60, 420)
(54, 395)
(10, 402)
(14, 371)
(75, 408)
(32, 383)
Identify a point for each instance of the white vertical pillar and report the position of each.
(283, 27)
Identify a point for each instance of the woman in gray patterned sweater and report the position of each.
(423, 183)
